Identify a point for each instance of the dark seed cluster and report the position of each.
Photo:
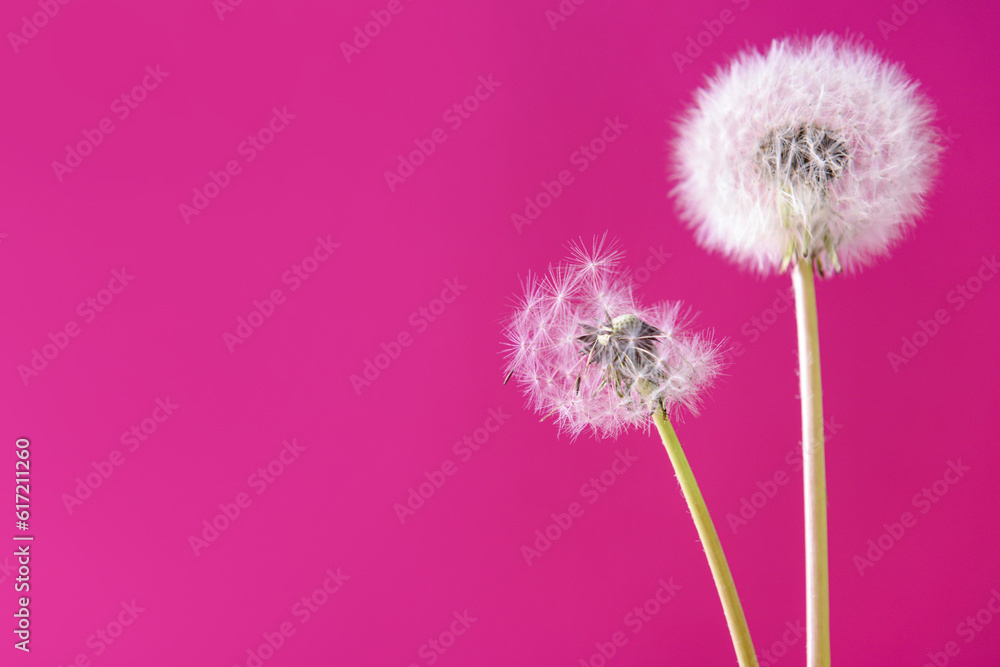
(624, 347)
(803, 153)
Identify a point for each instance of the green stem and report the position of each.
(813, 470)
(710, 540)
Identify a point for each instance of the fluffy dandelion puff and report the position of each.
(817, 150)
(587, 354)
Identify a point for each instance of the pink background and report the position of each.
(893, 432)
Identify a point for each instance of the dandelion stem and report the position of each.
(710, 540)
(814, 469)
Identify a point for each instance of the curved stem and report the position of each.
(710, 540)
(813, 469)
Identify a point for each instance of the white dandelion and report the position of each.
(587, 354)
(817, 154)
(817, 149)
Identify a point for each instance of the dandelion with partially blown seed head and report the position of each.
(589, 355)
(819, 155)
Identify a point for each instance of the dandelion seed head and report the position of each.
(588, 355)
(817, 149)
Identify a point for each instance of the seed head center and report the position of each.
(624, 342)
(805, 153)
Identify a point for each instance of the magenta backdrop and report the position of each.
(238, 348)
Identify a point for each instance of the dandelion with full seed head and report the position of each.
(589, 355)
(817, 150)
(819, 155)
